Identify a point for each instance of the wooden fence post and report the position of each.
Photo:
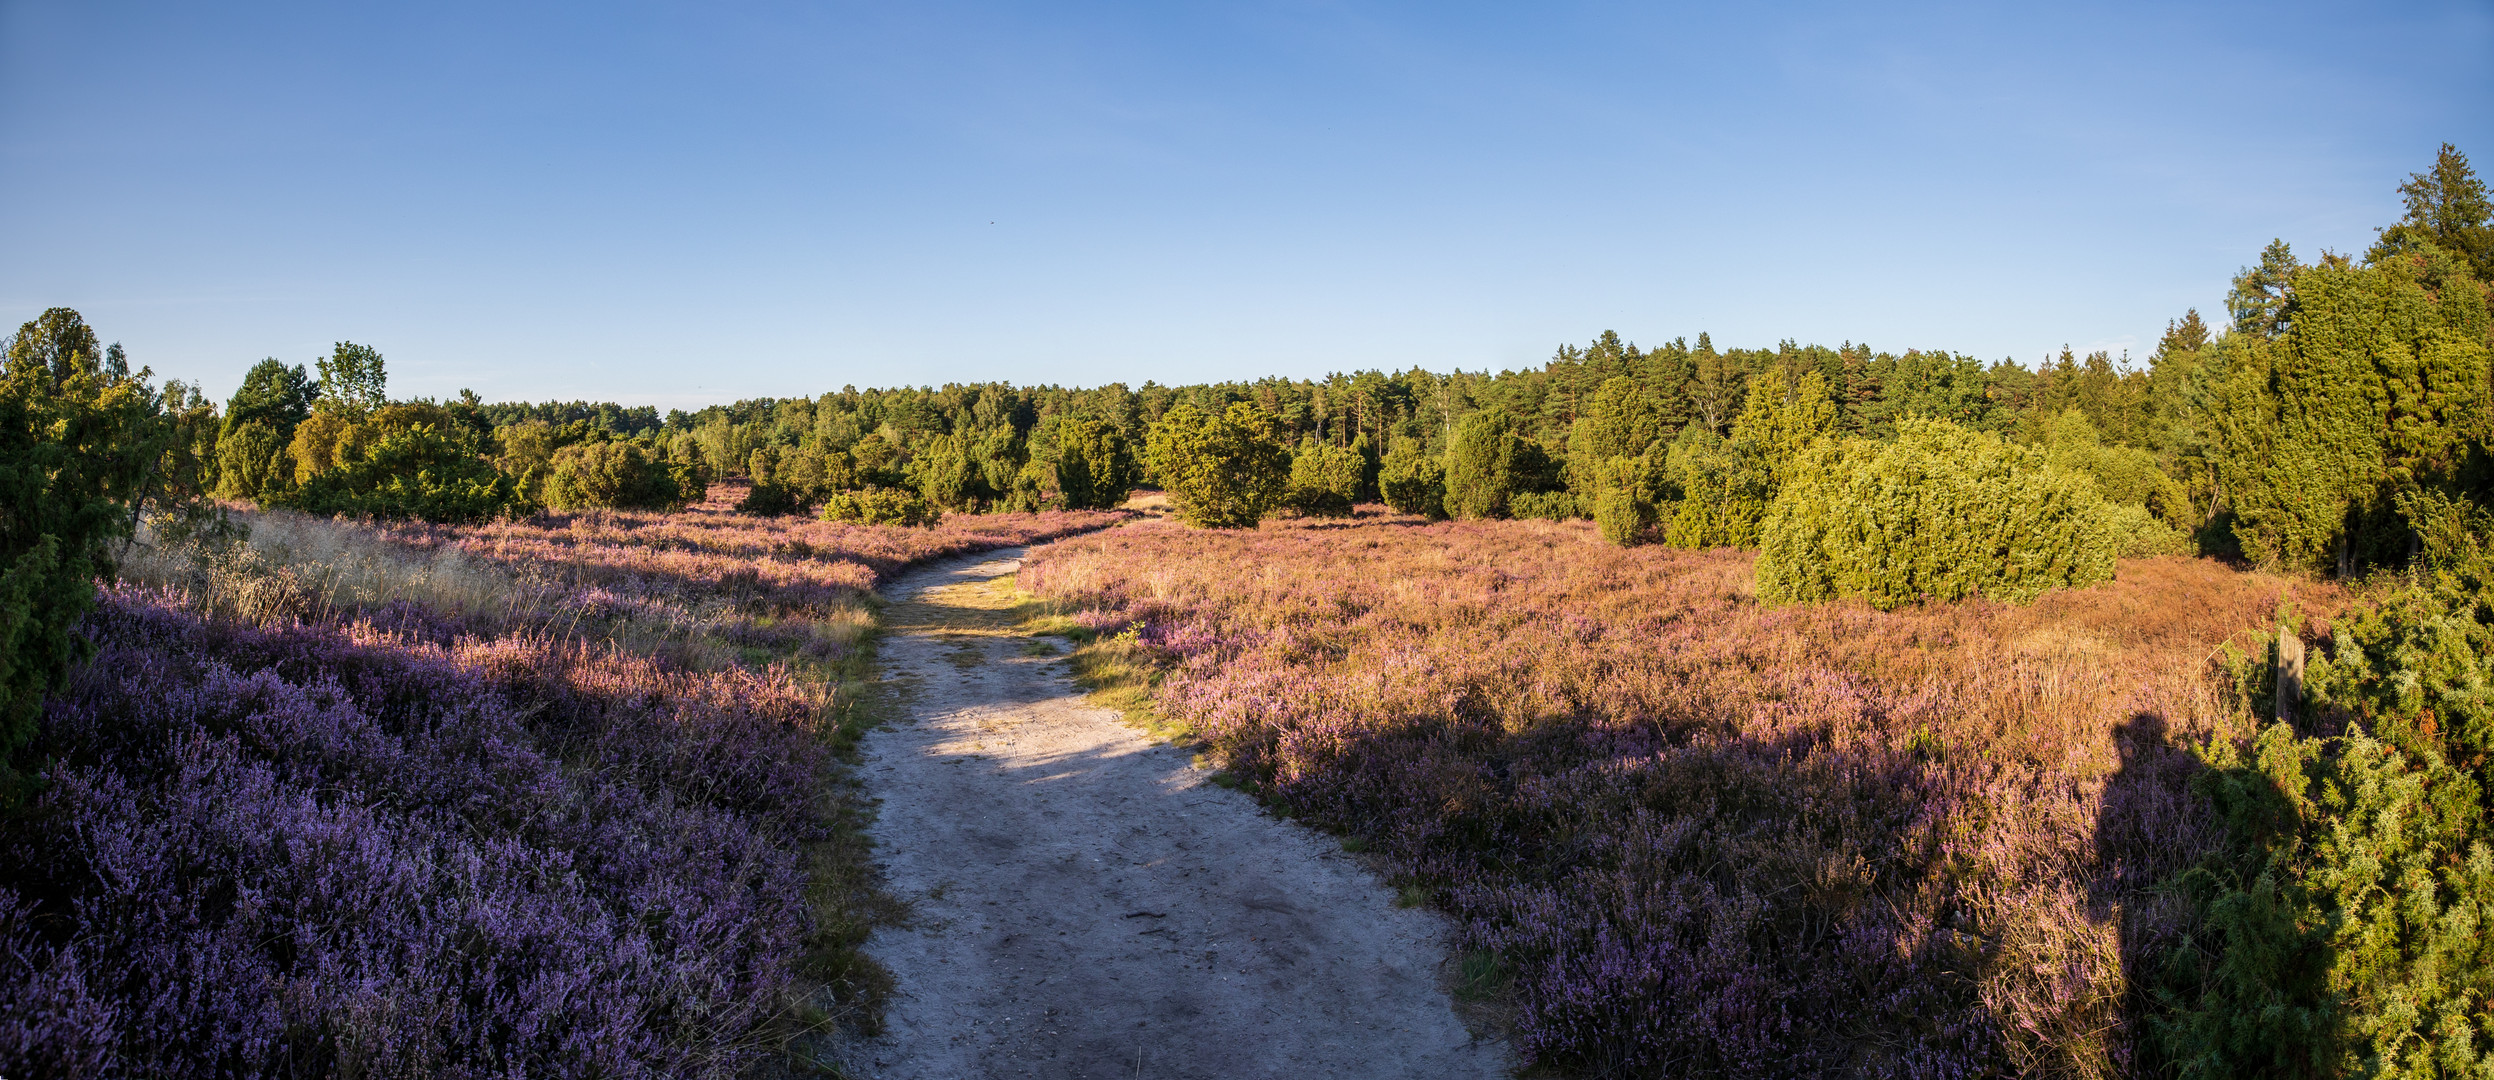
(2290, 674)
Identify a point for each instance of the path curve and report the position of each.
(1087, 905)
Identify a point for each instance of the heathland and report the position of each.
(1799, 710)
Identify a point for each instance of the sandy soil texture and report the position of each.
(1087, 904)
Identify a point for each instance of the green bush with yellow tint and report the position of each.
(1942, 513)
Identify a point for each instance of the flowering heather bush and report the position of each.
(423, 801)
(1702, 835)
(389, 848)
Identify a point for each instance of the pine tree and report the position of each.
(2447, 208)
(2260, 300)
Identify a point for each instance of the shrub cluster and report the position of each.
(880, 506)
(406, 472)
(77, 441)
(2345, 933)
(1942, 513)
(1412, 481)
(1222, 470)
(617, 476)
(1325, 480)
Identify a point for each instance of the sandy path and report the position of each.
(1087, 905)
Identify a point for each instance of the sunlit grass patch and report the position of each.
(1114, 668)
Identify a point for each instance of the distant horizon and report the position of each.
(674, 206)
(2122, 361)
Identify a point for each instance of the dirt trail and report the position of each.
(1088, 905)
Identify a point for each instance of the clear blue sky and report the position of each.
(676, 204)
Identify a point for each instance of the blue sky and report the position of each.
(677, 204)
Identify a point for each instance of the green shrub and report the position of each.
(1412, 481)
(1781, 417)
(1942, 513)
(75, 442)
(1095, 465)
(880, 506)
(2124, 475)
(1487, 464)
(1628, 496)
(2347, 934)
(616, 476)
(1622, 517)
(1223, 470)
(770, 500)
(1325, 480)
(252, 461)
(947, 473)
(2372, 388)
(2138, 534)
(1717, 491)
(1545, 505)
(1027, 492)
(412, 472)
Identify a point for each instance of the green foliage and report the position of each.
(412, 471)
(77, 440)
(2261, 299)
(1095, 465)
(1413, 481)
(1621, 517)
(614, 475)
(999, 453)
(1631, 492)
(2124, 475)
(1223, 470)
(1480, 466)
(1942, 513)
(1929, 385)
(1545, 505)
(2448, 210)
(1624, 420)
(1783, 417)
(273, 395)
(2346, 936)
(252, 461)
(2138, 533)
(2373, 387)
(770, 500)
(1723, 489)
(528, 449)
(880, 506)
(947, 473)
(1488, 464)
(352, 379)
(1324, 480)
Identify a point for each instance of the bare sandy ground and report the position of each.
(1087, 904)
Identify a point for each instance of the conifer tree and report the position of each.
(2372, 387)
(2447, 208)
(1715, 387)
